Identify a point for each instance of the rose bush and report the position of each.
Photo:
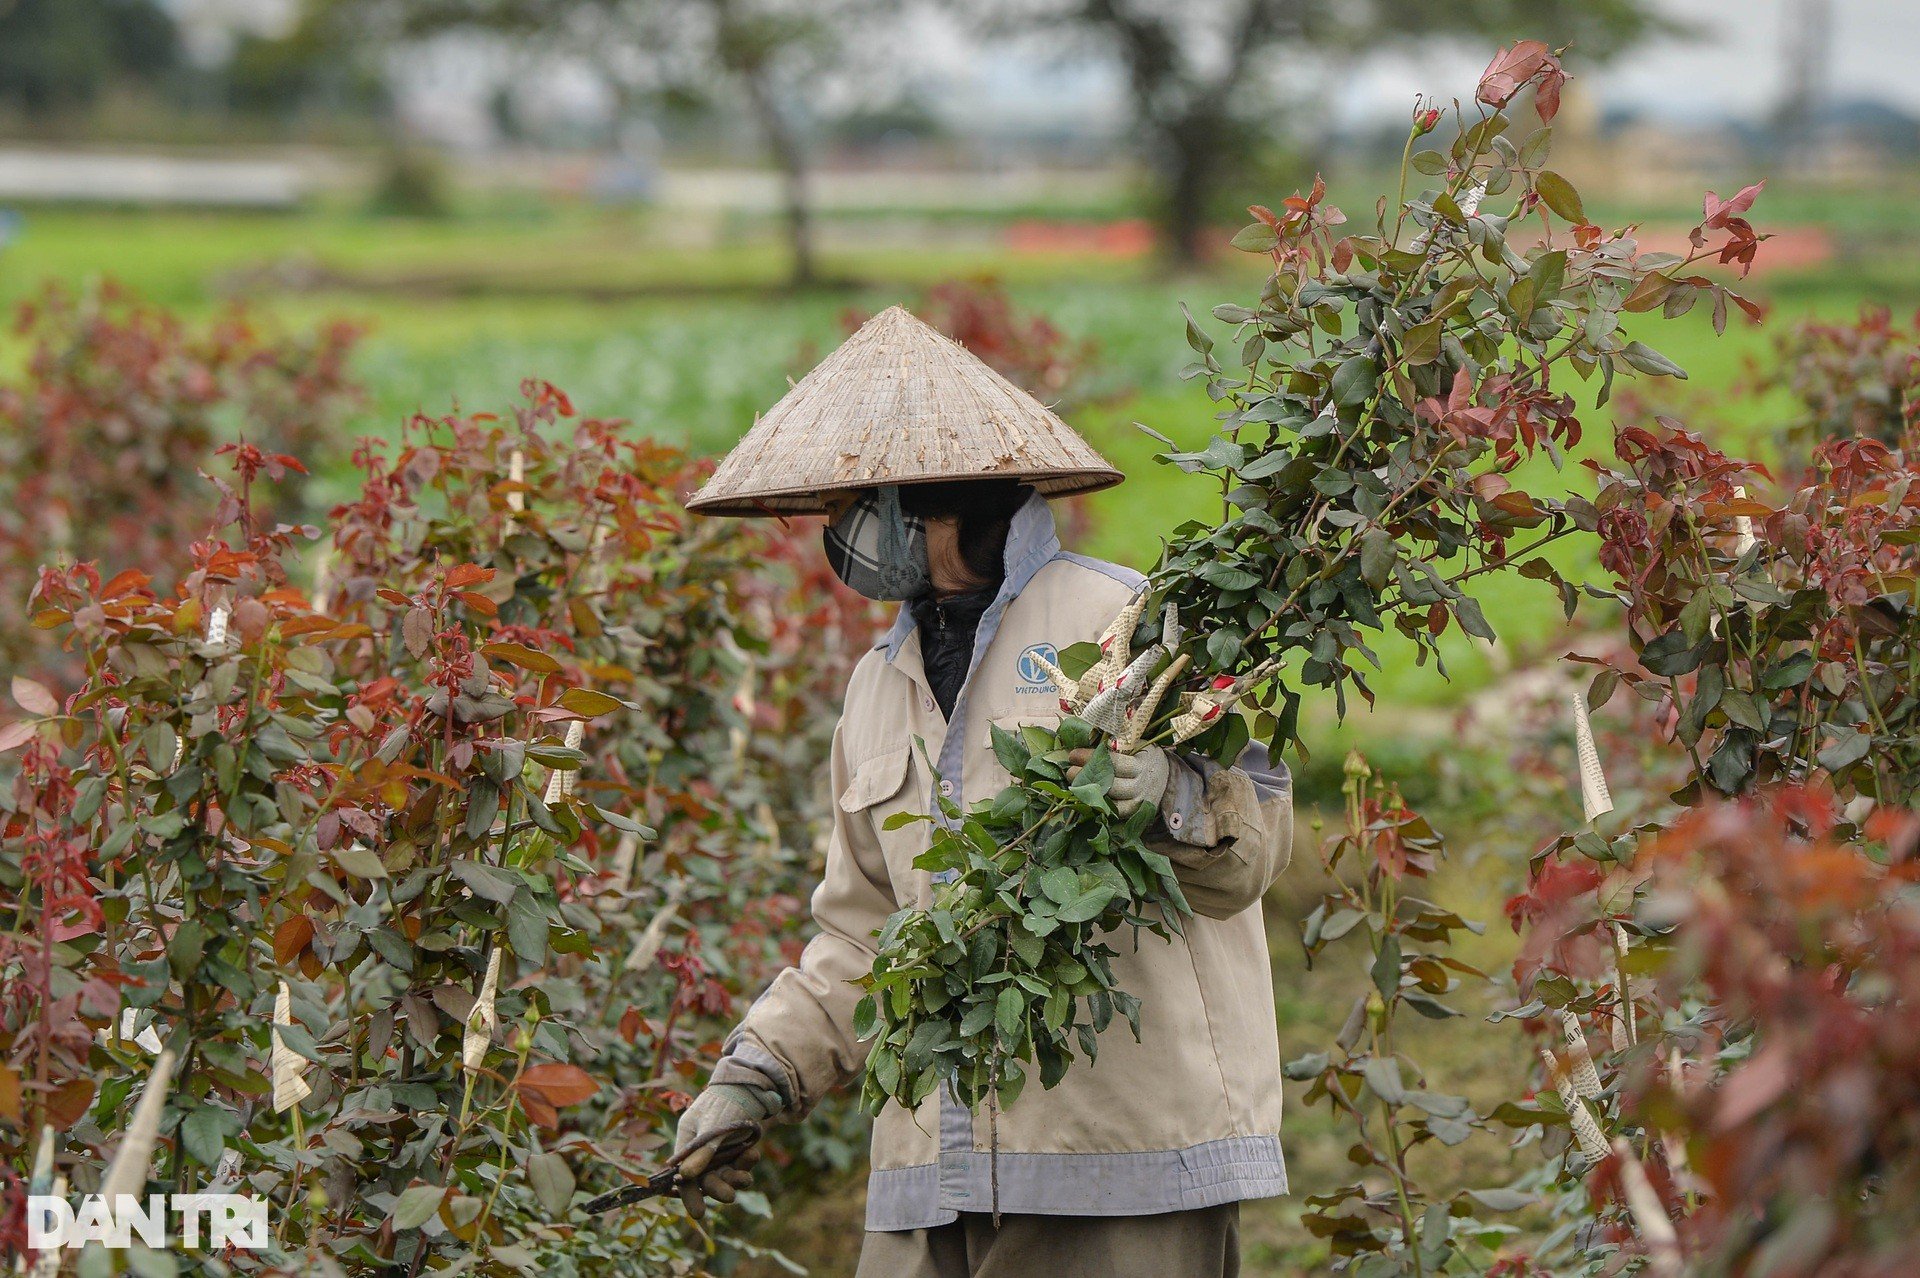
(374, 794)
(1845, 380)
(117, 410)
(486, 803)
(1392, 1219)
(1724, 984)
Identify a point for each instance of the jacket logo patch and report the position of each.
(1033, 676)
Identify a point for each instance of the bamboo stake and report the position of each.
(623, 856)
(482, 1020)
(744, 702)
(1585, 1078)
(217, 625)
(124, 1032)
(1743, 538)
(290, 1086)
(1626, 1028)
(322, 591)
(1586, 1131)
(127, 1174)
(42, 1174)
(763, 813)
(1649, 1214)
(47, 1263)
(560, 781)
(648, 946)
(516, 474)
(1595, 799)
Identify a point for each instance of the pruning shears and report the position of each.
(734, 1145)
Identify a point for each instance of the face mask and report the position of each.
(878, 549)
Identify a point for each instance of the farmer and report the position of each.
(935, 472)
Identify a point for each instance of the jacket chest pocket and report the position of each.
(882, 787)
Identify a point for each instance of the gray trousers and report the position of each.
(1181, 1244)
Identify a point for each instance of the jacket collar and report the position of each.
(1031, 542)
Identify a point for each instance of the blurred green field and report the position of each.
(691, 342)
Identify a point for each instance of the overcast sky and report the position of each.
(1738, 62)
(1734, 66)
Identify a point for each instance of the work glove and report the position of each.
(721, 1170)
(1137, 778)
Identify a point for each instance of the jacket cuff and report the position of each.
(748, 1063)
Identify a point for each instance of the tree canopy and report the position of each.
(61, 54)
(1208, 81)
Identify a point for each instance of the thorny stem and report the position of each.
(1409, 1227)
(300, 1174)
(1873, 712)
(1487, 565)
(1406, 162)
(1379, 1029)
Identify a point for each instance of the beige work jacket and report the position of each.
(1187, 1117)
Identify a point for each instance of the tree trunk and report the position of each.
(790, 158)
(1187, 181)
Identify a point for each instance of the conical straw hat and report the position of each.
(898, 403)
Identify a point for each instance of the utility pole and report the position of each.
(1807, 92)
